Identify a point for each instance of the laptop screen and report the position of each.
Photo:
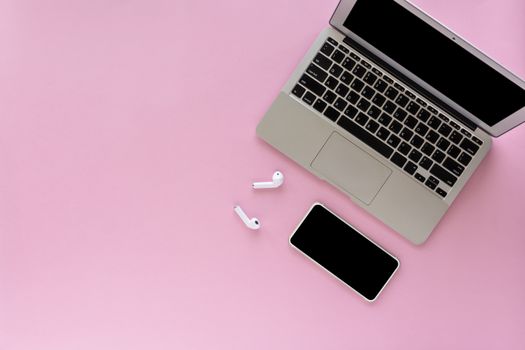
(436, 59)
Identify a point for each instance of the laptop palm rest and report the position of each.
(351, 168)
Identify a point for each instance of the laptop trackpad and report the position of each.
(351, 168)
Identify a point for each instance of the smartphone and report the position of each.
(345, 252)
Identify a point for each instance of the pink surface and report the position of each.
(127, 133)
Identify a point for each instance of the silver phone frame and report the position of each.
(324, 268)
(341, 13)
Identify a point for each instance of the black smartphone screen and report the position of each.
(343, 251)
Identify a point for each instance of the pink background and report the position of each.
(127, 133)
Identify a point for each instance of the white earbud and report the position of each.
(277, 180)
(252, 223)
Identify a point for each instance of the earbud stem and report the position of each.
(258, 185)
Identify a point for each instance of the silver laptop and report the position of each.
(395, 110)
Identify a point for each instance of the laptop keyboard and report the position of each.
(387, 116)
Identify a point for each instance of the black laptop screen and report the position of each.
(436, 59)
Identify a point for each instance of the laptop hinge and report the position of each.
(467, 122)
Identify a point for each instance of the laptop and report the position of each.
(394, 110)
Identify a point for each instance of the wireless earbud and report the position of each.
(253, 223)
(277, 180)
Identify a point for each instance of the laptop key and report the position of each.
(357, 85)
(411, 122)
(406, 134)
(342, 90)
(444, 130)
(391, 93)
(410, 168)
(377, 71)
(464, 159)
(331, 113)
(385, 119)
(346, 78)
(359, 70)
(368, 92)
(352, 97)
(404, 148)
(454, 151)
(329, 96)
(320, 105)
(402, 100)
(348, 63)
(361, 119)
(428, 149)
(395, 126)
(363, 104)
(322, 61)
(432, 136)
(453, 166)
(331, 82)
(476, 140)
(425, 163)
(312, 85)
(366, 137)
(443, 175)
(370, 78)
(393, 141)
(344, 49)
(380, 85)
(366, 64)
(423, 115)
(340, 104)
(412, 108)
(421, 129)
(443, 144)
(438, 156)
(441, 192)
(420, 177)
(332, 40)
(416, 141)
(455, 137)
(383, 133)
(378, 100)
(309, 98)
(389, 107)
(466, 133)
(434, 122)
(327, 49)
(415, 155)
(316, 72)
(351, 111)
(444, 117)
(374, 112)
(298, 90)
(338, 56)
(398, 159)
(431, 182)
(336, 70)
(399, 87)
(400, 114)
(469, 146)
(372, 126)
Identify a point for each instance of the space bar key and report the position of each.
(366, 137)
